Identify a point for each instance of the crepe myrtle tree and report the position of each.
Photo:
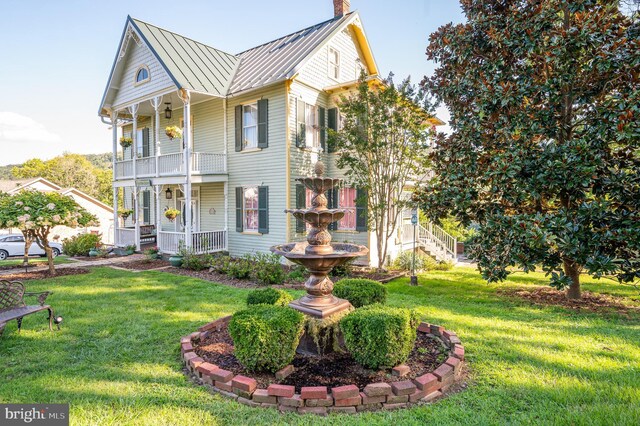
(382, 146)
(35, 214)
(544, 149)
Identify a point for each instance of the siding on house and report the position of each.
(135, 57)
(266, 167)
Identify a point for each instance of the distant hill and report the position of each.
(101, 161)
(5, 172)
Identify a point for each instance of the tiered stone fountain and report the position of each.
(318, 254)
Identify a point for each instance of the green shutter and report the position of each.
(239, 201)
(263, 123)
(332, 123)
(146, 205)
(323, 129)
(301, 203)
(238, 128)
(145, 142)
(361, 210)
(300, 124)
(332, 203)
(263, 209)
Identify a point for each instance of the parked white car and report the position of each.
(13, 245)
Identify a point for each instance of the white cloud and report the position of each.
(26, 138)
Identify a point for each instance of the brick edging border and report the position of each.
(318, 399)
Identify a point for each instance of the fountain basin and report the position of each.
(320, 218)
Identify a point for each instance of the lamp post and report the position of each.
(414, 222)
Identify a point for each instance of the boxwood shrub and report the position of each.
(266, 337)
(360, 291)
(269, 296)
(379, 336)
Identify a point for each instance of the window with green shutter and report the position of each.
(332, 124)
(146, 207)
(361, 210)
(301, 203)
(301, 127)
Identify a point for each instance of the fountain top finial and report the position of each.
(319, 168)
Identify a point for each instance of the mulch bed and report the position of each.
(21, 266)
(590, 301)
(43, 274)
(217, 277)
(371, 274)
(330, 370)
(143, 264)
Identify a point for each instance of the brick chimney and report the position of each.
(341, 7)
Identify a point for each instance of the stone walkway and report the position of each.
(79, 263)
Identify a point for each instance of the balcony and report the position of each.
(202, 163)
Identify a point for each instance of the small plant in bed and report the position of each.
(266, 337)
(269, 296)
(80, 245)
(360, 291)
(267, 269)
(380, 336)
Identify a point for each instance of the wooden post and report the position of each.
(114, 132)
(133, 109)
(186, 138)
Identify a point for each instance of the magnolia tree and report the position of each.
(382, 147)
(36, 213)
(544, 152)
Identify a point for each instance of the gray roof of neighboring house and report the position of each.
(192, 65)
(278, 59)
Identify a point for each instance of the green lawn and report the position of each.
(116, 359)
(38, 260)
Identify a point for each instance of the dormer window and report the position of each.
(334, 63)
(142, 75)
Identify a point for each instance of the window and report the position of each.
(347, 200)
(142, 75)
(250, 208)
(334, 63)
(312, 129)
(250, 126)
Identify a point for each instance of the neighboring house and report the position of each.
(103, 212)
(257, 121)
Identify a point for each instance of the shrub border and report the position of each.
(319, 399)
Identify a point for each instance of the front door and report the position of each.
(195, 219)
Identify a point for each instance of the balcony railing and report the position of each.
(203, 163)
(125, 237)
(201, 242)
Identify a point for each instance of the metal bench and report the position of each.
(12, 306)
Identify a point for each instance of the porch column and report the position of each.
(186, 140)
(133, 109)
(158, 213)
(114, 132)
(226, 216)
(155, 103)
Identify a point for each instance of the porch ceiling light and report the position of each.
(167, 110)
(168, 194)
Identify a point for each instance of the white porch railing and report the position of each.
(172, 165)
(125, 237)
(202, 241)
(206, 163)
(124, 169)
(146, 166)
(432, 238)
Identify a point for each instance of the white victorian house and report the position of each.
(257, 120)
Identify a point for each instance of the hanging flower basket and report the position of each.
(173, 132)
(124, 214)
(125, 142)
(171, 214)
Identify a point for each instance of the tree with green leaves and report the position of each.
(71, 170)
(36, 213)
(382, 148)
(544, 152)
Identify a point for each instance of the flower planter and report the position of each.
(93, 252)
(176, 261)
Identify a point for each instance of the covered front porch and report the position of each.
(147, 224)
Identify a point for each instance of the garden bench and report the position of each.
(12, 306)
(148, 233)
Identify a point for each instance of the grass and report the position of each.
(37, 259)
(116, 359)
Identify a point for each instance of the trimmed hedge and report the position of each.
(269, 296)
(266, 337)
(360, 291)
(380, 336)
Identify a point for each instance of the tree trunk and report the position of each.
(52, 269)
(572, 270)
(27, 246)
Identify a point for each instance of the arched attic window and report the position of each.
(142, 75)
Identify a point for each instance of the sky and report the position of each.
(56, 55)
